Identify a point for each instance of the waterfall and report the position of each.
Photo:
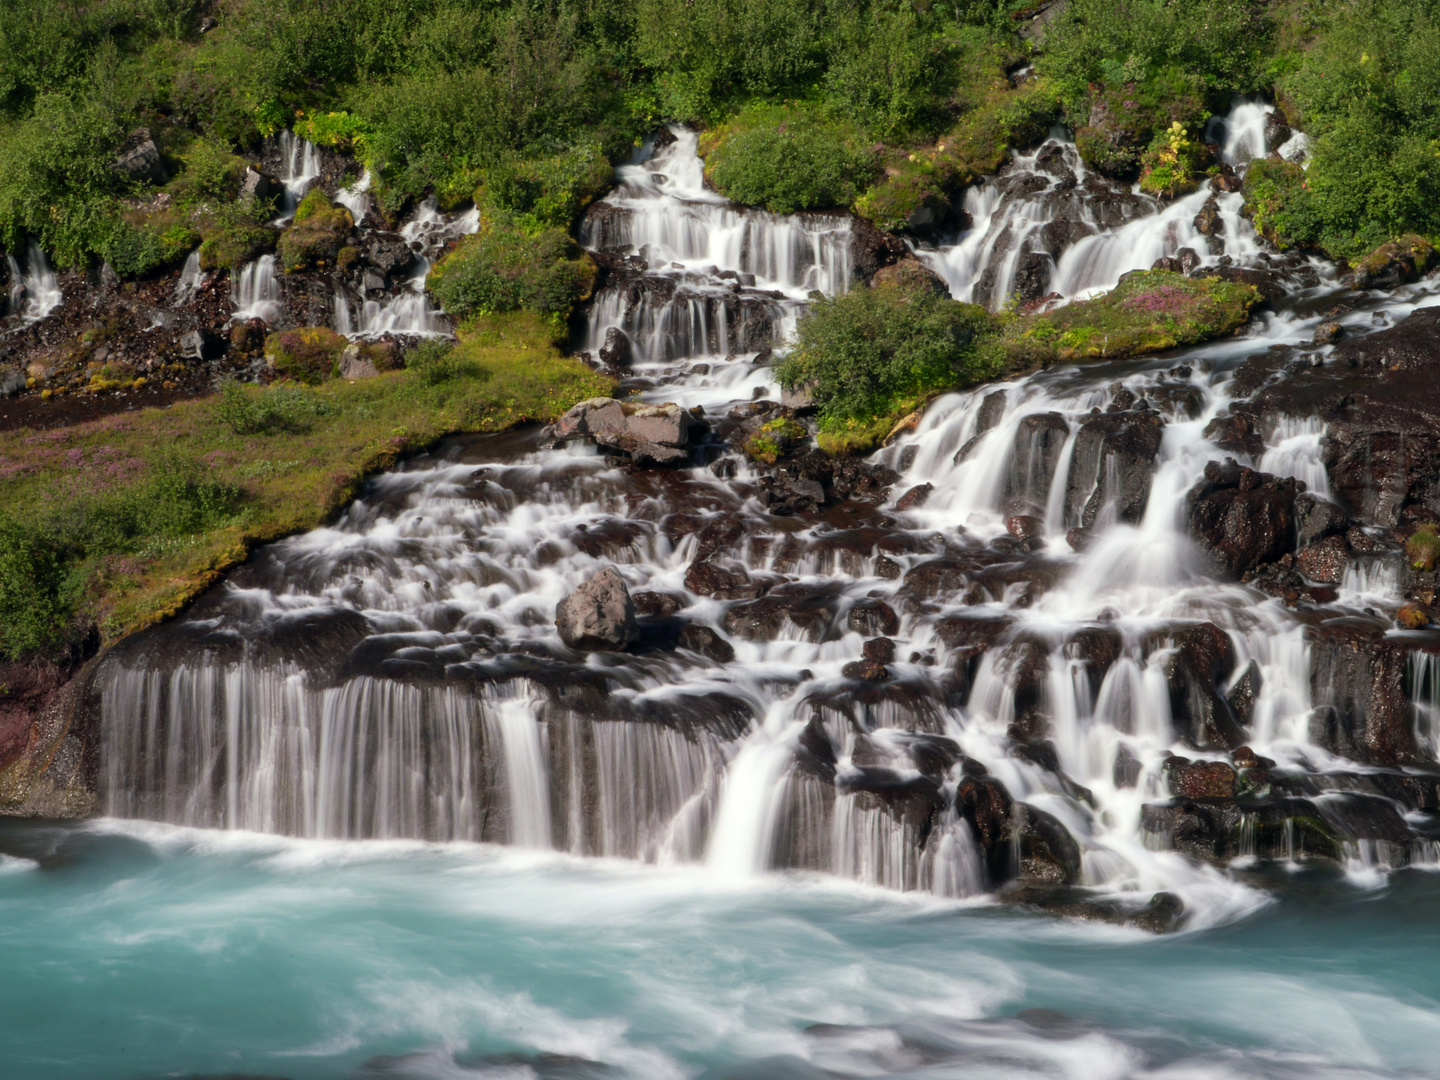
(255, 292)
(1055, 633)
(409, 311)
(192, 278)
(301, 164)
(34, 291)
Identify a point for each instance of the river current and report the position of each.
(367, 817)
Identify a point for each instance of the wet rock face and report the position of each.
(1240, 518)
(1200, 779)
(1376, 396)
(1111, 467)
(1358, 685)
(600, 615)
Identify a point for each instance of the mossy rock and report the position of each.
(1125, 119)
(309, 355)
(235, 244)
(317, 233)
(1422, 549)
(775, 439)
(1150, 311)
(1396, 263)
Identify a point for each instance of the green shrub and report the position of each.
(436, 360)
(308, 355)
(549, 192)
(284, 408)
(791, 161)
(503, 268)
(872, 351)
(1423, 548)
(38, 589)
(134, 251)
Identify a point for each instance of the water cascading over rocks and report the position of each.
(1031, 647)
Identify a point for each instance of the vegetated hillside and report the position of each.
(888, 107)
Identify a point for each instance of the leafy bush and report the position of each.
(791, 161)
(436, 360)
(549, 192)
(870, 352)
(284, 408)
(503, 268)
(44, 556)
(133, 251)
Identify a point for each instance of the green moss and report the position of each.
(775, 439)
(316, 234)
(308, 354)
(1148, 312)
(547, 192)
(229, 244)
(504, 268)
(1126, 124)
(918, 186)
(1423, 548)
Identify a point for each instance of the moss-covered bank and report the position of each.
(122, 521)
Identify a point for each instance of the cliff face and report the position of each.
(48, 754)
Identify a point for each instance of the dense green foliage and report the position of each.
(504, 268)
(524, 104)
(48, 554)
(787, 161)
(871, 351)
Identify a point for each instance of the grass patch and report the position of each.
(1148, 312)
(99, 527)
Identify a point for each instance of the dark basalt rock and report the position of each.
(866, 671)
(1200, 779)
(1242, 694)
(1039, 440)
(1376, 395)
(1203, 658)
(1324, 561)
(914, 498)
(1162, 914)
(880, 649)
(1047, 851)
(811, 611)
(1316, 518)
(1358, 684)
(1240, 518)
(1111, 467)
(873, 617)
(706, 578)
(1126, 770)
(706, 642)
(1219, 830)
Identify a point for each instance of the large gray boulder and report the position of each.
(649, 434)
(139, 159)
(599, 615)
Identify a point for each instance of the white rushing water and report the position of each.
(34, 290)
(398, 673)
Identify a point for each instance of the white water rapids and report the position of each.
(398, 674)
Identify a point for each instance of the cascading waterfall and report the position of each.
(301, 162)
(409, 311)
(255, 291)
(695, 277)
(1047, 227)
(398, 673)
(34, 291)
